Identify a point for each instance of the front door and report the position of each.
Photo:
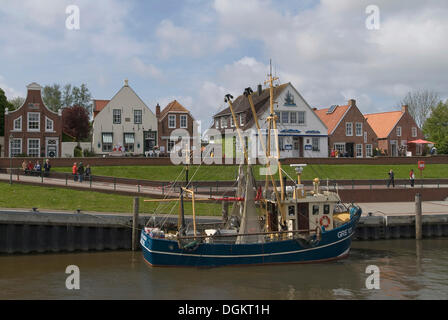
(150, 140)
(51, 149)
(393, 148)
(350, 149)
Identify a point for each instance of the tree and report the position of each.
(82, 97)
(67, 96)
(17, 102)
(4, 103)
(76, 122)
(436, 127)
(420, 103)
(52, 97)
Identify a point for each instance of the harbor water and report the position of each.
(407, 270)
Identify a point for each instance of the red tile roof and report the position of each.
(173, 106)
(384, 122)
(99, 105)
(331, 120)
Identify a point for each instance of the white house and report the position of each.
(301, 132)
(124, 124)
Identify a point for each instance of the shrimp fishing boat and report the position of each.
(276, 225)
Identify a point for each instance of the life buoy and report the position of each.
(321, 221)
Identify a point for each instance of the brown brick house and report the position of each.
(35, 130)
(348, 131)
(173, 116)
(394, 130)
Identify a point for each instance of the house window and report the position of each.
(398, 131)
(301, 117)
(316, 146)
(365, 136)
(217, 123)
(369, 150)
(340, 147)
(138, 116)
(18, 124)
(183, 121)
(285, 117)
(293, 117)
(49, 124)
(129, 142)
(359, 151)
(349, 129)
(414, 132)
(33, 121)
(358, 128)
(223, 122)
(116, 116)
(33, 147)
(241, 119)
(16, 147)
(171, 121)
(232, 124)
(107, 141)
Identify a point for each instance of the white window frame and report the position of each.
(11, 154)
(138, 118)
(414, 132)
(183, 117)
(339, 149)
(369, 150)
(299, 118)
(19, 119)
(170, 145)
(358, 129)
(223, 122)
(358, 147)
(241, 120)
(116, 113)
(285, 116)
(46, 125)
(38, 121)
(349, 125)
(293, 115)
(28, 147)
(111, 144)
(231, 122)
(365, 136)
(171, 117)
(399, 132)
(315, 142)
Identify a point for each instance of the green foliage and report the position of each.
(52, 97)
(436, 127)
(55, 97)
(4, 103)
(77, 152)
(88, 153)
(17, 102)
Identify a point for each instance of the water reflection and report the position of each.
(408, 270)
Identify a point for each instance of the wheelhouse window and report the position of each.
(138, 116)
(116, 113)
(326, 208)
(315, 209)
(129, 142)
(107, 141)
(349, 129)
(33, 147)
(33, 121)
(183, 121)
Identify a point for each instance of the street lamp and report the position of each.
(10, 158)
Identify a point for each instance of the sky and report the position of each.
(196, 51)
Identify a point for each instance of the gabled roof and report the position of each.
(173, 106)
(384, 122)
(98, 105)
(331, 120)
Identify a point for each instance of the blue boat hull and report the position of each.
(334, 244)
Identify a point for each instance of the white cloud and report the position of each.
(145, 69)
(9, 91)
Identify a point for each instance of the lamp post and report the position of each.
(10, 158)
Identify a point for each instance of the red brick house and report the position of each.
(173, 116)
(35, 129)
(394, 129)
(348, 131)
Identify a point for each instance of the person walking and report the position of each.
(75, 172)
(391, 179)
(88, 171)
(47, 167)
(81, 171)
(412, 177)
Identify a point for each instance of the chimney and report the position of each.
(314, 109)
(404, 108)
(157, 111)
(352, 103)
(260, 89)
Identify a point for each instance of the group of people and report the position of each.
(29, 168)
(392, 178)
(80, 173)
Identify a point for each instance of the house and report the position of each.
(173, 116)
(123, 124)
(348, 131)
(33, 129)
(301, 132)
(394, 130)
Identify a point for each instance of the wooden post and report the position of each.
(135, 225)
(418, 216)
(225, 211)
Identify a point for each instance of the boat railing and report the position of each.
(271, 233)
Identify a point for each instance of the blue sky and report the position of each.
(196, 51)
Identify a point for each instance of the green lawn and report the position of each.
(213, 173)
(26, 196)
